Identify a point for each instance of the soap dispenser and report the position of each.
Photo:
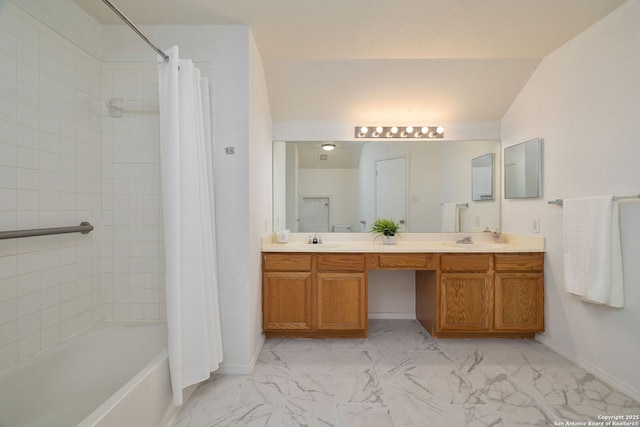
(315, 240)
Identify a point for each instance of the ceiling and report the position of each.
(386, 61)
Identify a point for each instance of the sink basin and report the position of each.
(318, 246)
(471, 246)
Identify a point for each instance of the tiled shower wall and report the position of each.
(63, 160)
(50, 175)
(133, 254)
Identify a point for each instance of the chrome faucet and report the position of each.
(465, 241)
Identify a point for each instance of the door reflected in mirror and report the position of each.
(522, 170)
(360, 181)
(482, 178)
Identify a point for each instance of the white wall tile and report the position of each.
(28, 304)
(29, 346)
(8, 310)
(8, 333)
(8, 353)
(28, 283)
(28, 325)
(8, 288)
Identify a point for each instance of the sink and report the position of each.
(471, 246)
(318, 246)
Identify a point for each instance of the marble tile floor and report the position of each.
(400, 376)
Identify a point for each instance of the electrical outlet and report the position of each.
(535, 225)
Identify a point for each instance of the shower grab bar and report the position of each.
(137, 30)
(83, 228)
(560, 202)
(460, 205)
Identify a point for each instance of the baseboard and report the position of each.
(411, 316)
(614, 382)
(243, 369)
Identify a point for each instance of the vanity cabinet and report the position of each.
(519, 292)
(466, 287)
(493, 295)
(457, 295)
(327, 297)
(287, 292)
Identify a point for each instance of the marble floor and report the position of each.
(400, 376)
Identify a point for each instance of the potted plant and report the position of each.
(388, 228)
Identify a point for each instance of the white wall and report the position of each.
(260, 189)
(49, 177)
(584, 101)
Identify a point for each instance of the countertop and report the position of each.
(408, 243)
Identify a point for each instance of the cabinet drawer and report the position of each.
(420, 261)
(473, 262)
(286, 262)
(341, 262)
(519, 262)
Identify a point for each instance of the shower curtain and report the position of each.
(193, 319)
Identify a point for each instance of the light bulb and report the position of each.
(364, 129)
(394, 130)
(379, 129)
(409, 129)
(425, 129)
(328, 147)
(440, 130)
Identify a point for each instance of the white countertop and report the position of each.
(408, 243)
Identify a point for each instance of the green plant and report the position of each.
(385, 226)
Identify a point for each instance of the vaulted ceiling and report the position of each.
(394, 61)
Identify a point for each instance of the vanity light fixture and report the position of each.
(409, 132)
(328, 147)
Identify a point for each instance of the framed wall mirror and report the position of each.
(523, 170)
(482, 177)
(358, 176)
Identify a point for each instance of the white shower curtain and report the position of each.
(193, 319)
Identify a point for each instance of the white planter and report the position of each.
(389, 240)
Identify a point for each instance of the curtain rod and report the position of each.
(137, 30)
(632, 196)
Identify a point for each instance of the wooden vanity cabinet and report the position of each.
(483, 295)
(457, 295)
(519, 292)
(287, 293)
(342, 292)
(314, 295)
(465, 293)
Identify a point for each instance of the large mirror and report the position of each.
(522, 170)
(347, 188)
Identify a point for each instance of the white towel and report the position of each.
(450, 218)
(592, 251)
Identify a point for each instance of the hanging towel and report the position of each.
(592, 250)
(450, 218)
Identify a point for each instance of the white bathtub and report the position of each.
(116, 374)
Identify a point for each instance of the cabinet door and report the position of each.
(342, 301)
(519, 302)
(465, 302)
(287, 299)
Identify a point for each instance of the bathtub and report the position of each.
(116, 374)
